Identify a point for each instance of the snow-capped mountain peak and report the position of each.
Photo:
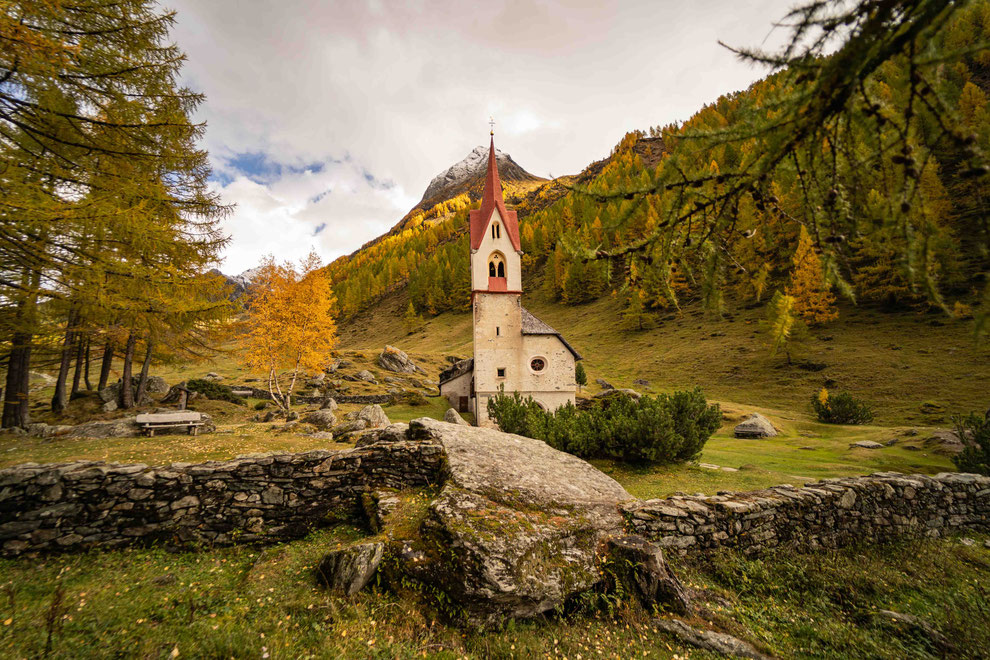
(472, 166)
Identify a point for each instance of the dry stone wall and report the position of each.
(830, 513)
(260, 498)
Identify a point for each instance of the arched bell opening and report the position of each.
(496, 272)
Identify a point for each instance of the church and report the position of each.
(513, 350)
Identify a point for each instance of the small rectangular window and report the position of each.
(498, 331)
(500, 372)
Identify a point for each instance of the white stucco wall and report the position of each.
(499, 343)
(479, 258)
(456, 388)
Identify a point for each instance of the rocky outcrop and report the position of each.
(830, 513)
(755, 426)
(393, 359)
(110, 395)
(348, 570)
(640, 567)
(865, 444)
(323, 419)
(944, 442)
(517, 527)
(366, 376)
(113, 428)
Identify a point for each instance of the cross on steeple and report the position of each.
(491, 122)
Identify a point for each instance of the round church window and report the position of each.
(538, 364)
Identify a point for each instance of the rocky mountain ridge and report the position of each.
(459, 176)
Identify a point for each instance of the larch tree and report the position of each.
(813, 300)
(781, 324)
(291, 325)
(106, 214)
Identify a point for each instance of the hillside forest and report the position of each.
(856, 169)
(881, 200)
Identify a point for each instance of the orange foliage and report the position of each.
(812, 298)
(291, 323)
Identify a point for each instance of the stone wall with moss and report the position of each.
(261, 498)
(830, 513)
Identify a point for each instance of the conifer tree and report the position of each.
(89, 104)
(411, 320)
(812, 299)
(781, 324)
(580, 375)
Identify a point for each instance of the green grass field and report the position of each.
(264, 602)
(898, 362)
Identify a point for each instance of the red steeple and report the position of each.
(491, 199)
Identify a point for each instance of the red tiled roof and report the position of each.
(491, 200)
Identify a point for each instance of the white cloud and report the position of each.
(400, 91)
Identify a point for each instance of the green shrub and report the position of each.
(261, 405)
(214, 391)
(974, 431)
(841, 408)
(414, 398)
(660, 429)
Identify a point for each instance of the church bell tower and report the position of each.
(496, 287)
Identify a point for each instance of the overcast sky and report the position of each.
(327, 120)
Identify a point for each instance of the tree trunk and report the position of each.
(126, 391)
(89, 385)
(61, 398)
(15, 403)
(143, 380)
(105, 365)
(80, 361)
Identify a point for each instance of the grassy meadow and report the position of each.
(265, 602)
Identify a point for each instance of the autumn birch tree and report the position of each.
(291, 325)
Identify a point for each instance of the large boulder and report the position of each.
(755, 426)
(156, 385)
(453, 417)
(110, 394)
(373, 416)
(944, 442)
(323, 419)
(517, 528)
(393, 359)
(366, 376)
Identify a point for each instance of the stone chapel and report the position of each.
(513, 350)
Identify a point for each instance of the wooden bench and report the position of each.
(150, 422)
